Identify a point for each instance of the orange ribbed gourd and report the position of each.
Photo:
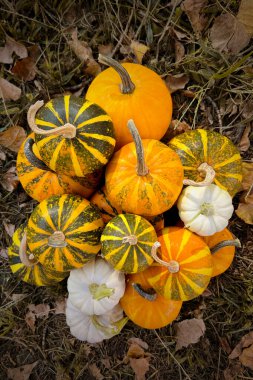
(145, 307)
(188, 265)
(132, 91)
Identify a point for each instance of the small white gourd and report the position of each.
(96, 287)
(94, 328)
(205, 210)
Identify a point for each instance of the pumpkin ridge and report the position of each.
(50, 107)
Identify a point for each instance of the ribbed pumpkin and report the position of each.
(126, 243)
(144, 306)
(132, 91)
(29, 270)
(144, 177)
(40, 182)
(74, 137)
(109, 211)
(64, 232)
(223, 257)
(185, 268)
(199, 147)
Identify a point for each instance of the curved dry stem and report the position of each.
(225, 243)
(35, 161)
(142, 168)
(67, 130)
(28, 261)
(148, 294)
(209, 173)
(172, 265)
(127, 86)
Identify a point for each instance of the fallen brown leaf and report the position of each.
(12, 46)
(21, 373)
(9, 228)
(2, 154)
(25, 69)
(38, 311)
(225, 345)
(176, 128)
(228, 34)
(232, 371)
(60, 306)
(9, 91)
(135, 351)
(139, 50)
(12, 138)
(4, 253)
(95, 371)
(140, 367)
(247, 109)
(138, 341)
(30, 320)
(245, 212)
(9, 180)
(84, 53)
(179, 51)
(193, 10)
(189, 331)
(246, 357)
(246, 341)
(244, 144)
(247, 175)
(105, 50)
(245, 15)
(176, 82)
(138, 358)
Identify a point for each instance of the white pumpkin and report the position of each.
(96, 287)
(205, 210)
(94, 328)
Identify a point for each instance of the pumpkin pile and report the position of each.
(104, 182)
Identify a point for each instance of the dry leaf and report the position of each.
(247, 110)
(232, 371)
(176, 128)
(176, 82)
(9, 180)
(247, 175)
(228, 34)
(13, 138)
(25, 69)
(9, 228)
(139, 50)
(179, 51)
(246, 357)
(60, 306)
(30, 320)
(245, 207)
(12, 46)
(245, 15)
(244, 144)
(193, 10)
(189, 331)
(84, 53)
(135, 351)
(9, 91)
(138, 341)
(17, 297)
(2, 155)
(246, 341)
(4, 253)
(95, 371)
(105, 50)
(41, 310)
(140, 367)
(21, 373)
(225, 345)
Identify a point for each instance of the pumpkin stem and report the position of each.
(225, 243)
(113, 328)
(57, 240)
(35, 161)
(28, 261)
(99, 292)
(148, 294)
(131, 239)
(141, 169)
(67, 130)
(207, 171)
(127, 86)
(172, 265)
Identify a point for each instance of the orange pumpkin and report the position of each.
(186, 265)
(132, 91)
(109, 211)
(144, 306)
(144, 177)
(40, 182)
(223, 257)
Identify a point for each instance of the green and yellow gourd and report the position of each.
(74, 136)
(208, 157)
(64, 232)
(127, 241)
(25, 267)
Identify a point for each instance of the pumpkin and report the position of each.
(222, 246)
(25, 267)
(96, 287)
(132, 91)
(207, 153)
(94, 328)
(109, 211)
(126, 243)
(205, 210)
(64, 232)
(144, 177)
(40, 182)
(144, 306)
(185, 268)
(74, 137)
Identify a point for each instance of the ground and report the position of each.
(206, 101)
